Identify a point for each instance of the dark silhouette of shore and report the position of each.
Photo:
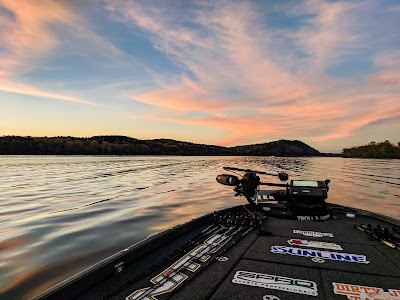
(374, 150)
(123, 145)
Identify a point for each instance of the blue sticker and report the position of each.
(356, 258)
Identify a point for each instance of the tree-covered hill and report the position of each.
(278, 148)
(122, 145)
(374, 150)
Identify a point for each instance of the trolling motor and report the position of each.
(303, 199)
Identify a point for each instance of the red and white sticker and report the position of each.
(314, 244)
(360, 292)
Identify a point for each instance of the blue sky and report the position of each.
(215, 72)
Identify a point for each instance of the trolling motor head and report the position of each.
(227, 179)
(304, 199)
(243, 187)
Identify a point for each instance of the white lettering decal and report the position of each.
(356, 258)
(364, 292)
(170, 278)
(314, 244)
(313, 233)
(313, 218)
(281, 283)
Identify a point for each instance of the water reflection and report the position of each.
(59, 215)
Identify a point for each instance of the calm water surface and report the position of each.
(59, 215)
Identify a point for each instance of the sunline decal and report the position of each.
(314, 244)
(313, 233)
(171, 277)
(355, 292)
(355, 258)
(287, 284)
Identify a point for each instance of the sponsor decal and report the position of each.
(274, 282)
(313, 218)
(356, 292)
(355, 258)
(313, 233)
(172, 277)
(318, 260)
(314, 244)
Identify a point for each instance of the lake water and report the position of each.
(59, 215)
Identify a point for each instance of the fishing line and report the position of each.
(252, 214)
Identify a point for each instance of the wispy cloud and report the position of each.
(23, 89)
(234, 63)
(256, 70)
(28, 34)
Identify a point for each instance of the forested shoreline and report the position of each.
(122, 145)
(374, 150)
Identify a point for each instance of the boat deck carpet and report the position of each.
(249, 269)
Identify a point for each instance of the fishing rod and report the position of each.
(231, 224)
(170, 273)
(282, 175)
(392, 237)
(380, 234)
(233, 243)
(204, 234)
(211, 261)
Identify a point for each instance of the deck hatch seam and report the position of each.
(230, 269)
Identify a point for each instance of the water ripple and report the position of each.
(60, 214)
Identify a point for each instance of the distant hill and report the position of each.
(123, 145)
(277, 148)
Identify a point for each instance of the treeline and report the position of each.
(374, 150)
(122, 145)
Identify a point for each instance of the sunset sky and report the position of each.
(215, 72)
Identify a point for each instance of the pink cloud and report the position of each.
(28, 36)
(289, 97)
(185, 96)
(229, 55)
(239, 128)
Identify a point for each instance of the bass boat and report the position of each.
(287, 243)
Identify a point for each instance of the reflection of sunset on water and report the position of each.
(60, 215)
